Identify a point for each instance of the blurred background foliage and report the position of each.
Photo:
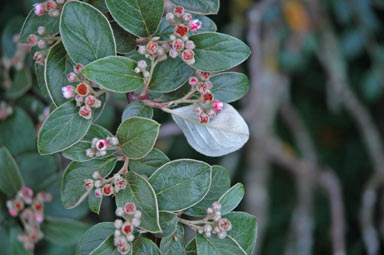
(315, 106)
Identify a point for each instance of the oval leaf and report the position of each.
(150, 163)
(137, 136)
(199, 6)
(244, 230)
(232, 198)
(10, 177)
(168, 223)
(140, 18)
(181, 184)
(226, 133)
(144, 246)
(58, 66)
(125, 42)
(220, 184)
(170, 75)
(72, 190)
(32, 23)
(95, 237)
(21, 83)
(137, 108)
(215, 246)
(114, 74)
(229, 87)
(218, 52)
(63, 128)
(141, 193)
(86, 33)
(173, 244)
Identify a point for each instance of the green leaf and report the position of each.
(16, 247)
(4, 242)
(40, 77)
(191, 249)
(125, 42)
(17, 133)
(21, 83)
(181, 184)
(55, 208)
(63, 128)
(33, 22)
(218, 52)
(215, 246)
(144, 246)
(137, 108)
(99, 4)
(10, 177)
(170, 75)
(34, 168)
(140, 18)
(72, 190)
(63, 232)
(86, 33)
(244, 230)
(232, 198)
(173, 244)
(115, 74)
(77, 151)
(150, 163)
(226, 133)
(199, 6)
(95, 237)
(229, 87)
(106, 248)
(137, 136)
(166, 29)
(94, 202)
(220, 184)
(10, 30)
(58, 66)
(168, 223)
(141, 193)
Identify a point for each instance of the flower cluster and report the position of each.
(30, 209)
(179, 40)
(123, 234)
(215, 224)
(99, 147)
(53, 8)
(203, 85)
(42, 40)
(151, 50)
(105, 186)
(85, 96)
(5, 110)
(142, 68)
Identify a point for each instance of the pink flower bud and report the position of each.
(90, 101)
(130, 208)
(26, 193)
(204, 75)
(170, 16)
(120, 183)
(32, 40)
(119, 211)
(178, 11)
(136, 222)
(124, 249)
(173, 53)
(204, 118)
(39, 9)
(197, 110)
(178, 45)
(78, 68)
(101, 145)
(207, 98)
(127, 228)
(85, 112)
(218, 105)
(187, 17)
(142, 50)
(181, 30)
(225, 224)
(108, 190)
(120, 241)
(68, 92)
(96, 175)
(98, 193)
(137, 214)
(37, 206)
(202, 87)
(41, 30)
(130, 238)
(118, 223)
(19, 205)
(79, 100)
(142, 65)
(54, 13)
(38, 217)
(222, 235)
(13, 212)
(190, 45)
(188, 56)
(152, 47)
(195, 25)
(50, 5)
(38, 56)
(209, 211)
(212, 114)
(82, 89)
(193, 81)
(88, 184)
(72, 77)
